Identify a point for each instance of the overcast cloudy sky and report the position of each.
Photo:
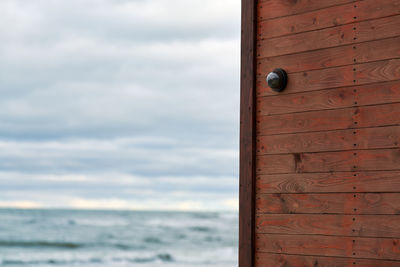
(129, 104)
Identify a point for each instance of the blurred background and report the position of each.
(119, 132)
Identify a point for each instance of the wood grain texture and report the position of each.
(247, 135)
(332, 57)
(328, 17)
(278, 8)
(330, 37)
(372, 94)
(308, 101)
(382, 181)
(306, 122)
(359, 74)
(365, 138)
(387, 226)
(360, 160)
(327, 162)
(373, 248)
(349, 118)
(282, 260)
(333, 203)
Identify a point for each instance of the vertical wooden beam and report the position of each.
(247, 135)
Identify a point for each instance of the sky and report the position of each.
(119, 104)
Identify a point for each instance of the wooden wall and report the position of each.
(327, 164)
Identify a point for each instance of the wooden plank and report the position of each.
(339, 203)
(373, 248)
(330, 37)
(377, 72)
(247, 135)
(328, 17)
(361, 160)
(332, 57)
(382, 181)
(366, 73)
(376, 116)
(282, 260)
(306, 122)
(382, 93)
(308, 101)
(308, 142)
(278, 8)
(316, 224)
(365, 138)
(368, 116)
(379, 93)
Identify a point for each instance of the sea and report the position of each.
(118, 238)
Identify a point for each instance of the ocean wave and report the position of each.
(152, 240)
(48, 262)
(39, 244)
(66, 245)
(200, 229)
(164, 257)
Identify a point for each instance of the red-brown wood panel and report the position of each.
(328, 17)
(338, 246)
(364, 138)
(362, 160)
(387, 226)
(330, 37)
(327, 148)
(328, 120)
(283, 260)
(332, 57)
(373, 72)
(331, 182)
(274, 8)
(338, 203)
(377, 93)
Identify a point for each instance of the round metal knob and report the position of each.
(277, 80)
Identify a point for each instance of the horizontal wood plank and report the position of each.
(340, 225)
(328, 17)
(365, 138)
(377, 116)
(278, 8)
(378, 93)
(374, 248)
(334, 203)
(308, 101)
(383, 181)
(306, 122)
(349, 118)
(359, 74)
(332, 57)
(330, 37)
(360, 160)
(283, 260)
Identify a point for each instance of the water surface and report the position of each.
(117, 238)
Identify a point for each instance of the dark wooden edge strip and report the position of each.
(247, 135)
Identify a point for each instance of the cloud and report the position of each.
(100, 94)
(20, 204)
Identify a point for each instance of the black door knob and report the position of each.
(277, 80)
